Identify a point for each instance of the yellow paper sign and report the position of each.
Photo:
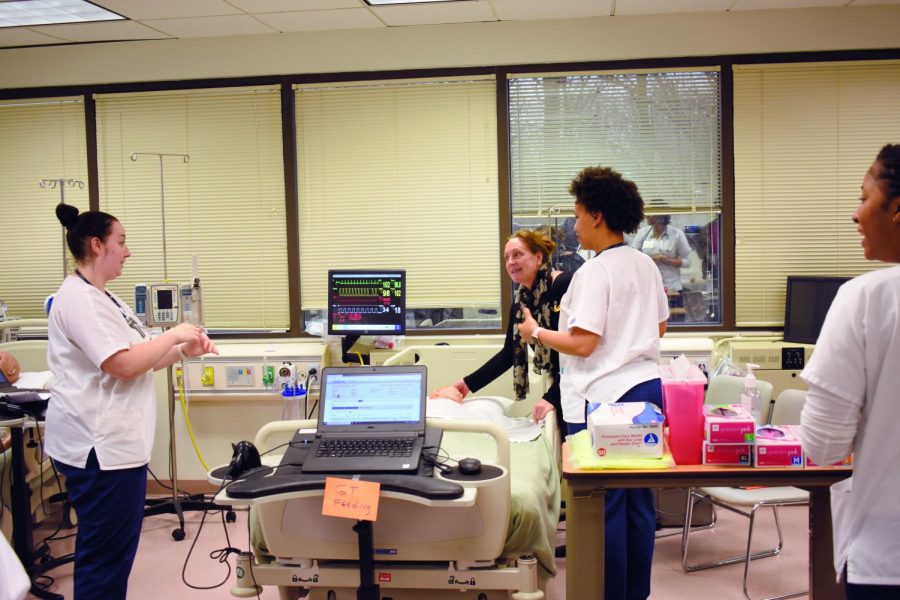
(351, 499)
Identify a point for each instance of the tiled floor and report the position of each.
(161, 561)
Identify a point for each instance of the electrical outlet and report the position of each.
(208, 377)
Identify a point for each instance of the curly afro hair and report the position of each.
(604, 191)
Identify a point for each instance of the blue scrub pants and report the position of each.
(630, 521)
(110, 510)
(865, 591)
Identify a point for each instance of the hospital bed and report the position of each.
(496, 540)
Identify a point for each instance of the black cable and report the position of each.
(313, 409)
(221, 555)
(2, 479)
(256, 586)
(438, 458)
(185, 495)
(42, 456)
(311, 376)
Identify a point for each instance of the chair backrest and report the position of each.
(726, 389)
(787, 407)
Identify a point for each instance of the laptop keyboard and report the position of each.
(366, 447)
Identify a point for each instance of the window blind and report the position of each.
(39, 140)
(401, 175)
(804, 137)
(225, 203)
(659, 129)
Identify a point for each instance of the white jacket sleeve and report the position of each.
(15, 583)
(829, 426)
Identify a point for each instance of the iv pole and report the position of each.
(162, 198)
(175, 505)
(62, 183)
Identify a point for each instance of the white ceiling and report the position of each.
(171, 19)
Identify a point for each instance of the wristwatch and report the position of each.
(536, 336)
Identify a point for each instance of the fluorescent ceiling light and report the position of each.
(387, 2)
(19, 13)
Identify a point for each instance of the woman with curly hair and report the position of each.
(611, 319)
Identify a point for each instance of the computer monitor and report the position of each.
(806, 304)
(366, 302)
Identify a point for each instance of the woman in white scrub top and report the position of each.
(610, 322)
(102, 412)
(853, 403)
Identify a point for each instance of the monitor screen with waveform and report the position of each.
(367, 302)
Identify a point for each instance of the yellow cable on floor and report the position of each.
(187, 421)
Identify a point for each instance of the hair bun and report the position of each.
(67, 214)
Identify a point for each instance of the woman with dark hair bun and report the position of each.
(102, 413)
(610, 322)
(852, 404)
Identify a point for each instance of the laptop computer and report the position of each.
(371, 419)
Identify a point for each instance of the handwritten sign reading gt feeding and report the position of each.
(351, 499)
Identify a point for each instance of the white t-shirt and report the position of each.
(619, 295)
(89, 408)
(854, 405)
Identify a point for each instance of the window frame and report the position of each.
(725, 64)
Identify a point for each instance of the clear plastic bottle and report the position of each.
(750, 397)
(290, 411)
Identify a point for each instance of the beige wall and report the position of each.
(471, 44)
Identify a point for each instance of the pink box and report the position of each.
(727, 454)
(683, 407)
(846, 462)
(777, 446)
(728, 424)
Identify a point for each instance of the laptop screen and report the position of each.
(373, 399)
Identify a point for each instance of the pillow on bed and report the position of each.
(497, 404)
(485, 408)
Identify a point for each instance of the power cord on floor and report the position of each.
(221, 554)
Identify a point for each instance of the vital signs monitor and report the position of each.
(367, 302)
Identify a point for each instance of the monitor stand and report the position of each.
(346, 343)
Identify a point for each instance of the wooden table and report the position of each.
(586, 493)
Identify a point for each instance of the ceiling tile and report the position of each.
(320, 20)
(22, 36)
(140, 10)
(268, 6)
(521, 10)
(651, 7)
(768, 4)
(435, 13)
(101, 31)
(210, 26)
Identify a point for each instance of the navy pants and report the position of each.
(630, 521)
(864, 591)
(110, 510)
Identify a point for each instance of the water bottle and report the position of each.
(750, 398)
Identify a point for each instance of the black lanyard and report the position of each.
(131, 322)
(605, 249)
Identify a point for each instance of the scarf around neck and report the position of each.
(537, 299)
